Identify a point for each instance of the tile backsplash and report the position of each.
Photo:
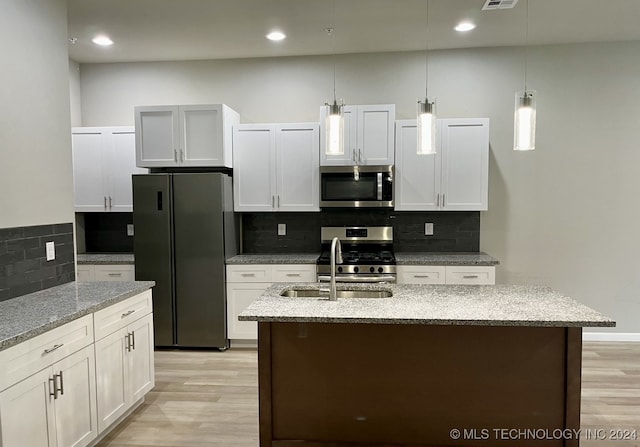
(23, 264)
(454, 231)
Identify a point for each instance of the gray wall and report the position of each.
(35, 140)
(565, 215)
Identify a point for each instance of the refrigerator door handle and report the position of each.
(159, 199)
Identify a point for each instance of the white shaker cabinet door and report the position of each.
(254, 184)
(201, 141)
(88, 176)
(157, 136)
(465, 164)
(122, 165)
(111, 378)
(375, 134)
(239, 297)
(297, 167)
(140, 358)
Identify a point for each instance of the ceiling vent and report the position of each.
(499, 4)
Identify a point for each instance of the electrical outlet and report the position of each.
(428, 229)
(129, 229)
(282, 229)
(51, 251)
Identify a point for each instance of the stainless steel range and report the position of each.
(367, 254)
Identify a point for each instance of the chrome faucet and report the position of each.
(336, 256)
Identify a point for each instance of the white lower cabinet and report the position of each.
(105, 272)
(246, 282)
(53, 407)
(450, 274)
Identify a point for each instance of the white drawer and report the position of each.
(44, 350)
(421, 274)
(107, 321)
(85, 273)
(114, 273)
(471, 275)
(294, 273)
(249, 273)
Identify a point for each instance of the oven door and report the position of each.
(356, 186)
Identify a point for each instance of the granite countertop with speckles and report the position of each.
(105, 258)
(494, 305)
(276, 258)
(26, 316)
(443, 258)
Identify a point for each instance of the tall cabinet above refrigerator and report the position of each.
(184, 229)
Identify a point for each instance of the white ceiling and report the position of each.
(160, 30)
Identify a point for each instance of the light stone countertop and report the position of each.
(444, 258)
(26, 316)
(276, 258)
(105, 258)
(495, 305)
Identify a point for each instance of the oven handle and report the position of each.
(358, 278)
(379, 185)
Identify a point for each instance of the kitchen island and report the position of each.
(428, 366)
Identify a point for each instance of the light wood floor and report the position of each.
(210, 399)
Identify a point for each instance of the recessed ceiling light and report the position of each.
(102, 40)
(464, 26)
(276, 36)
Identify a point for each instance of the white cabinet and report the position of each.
(276, 167)
(450, 274)
(124, 357)
(52, 399)
(105, 272)
(246, 282)
(456, 178)
(185, 135)
(104, 158)
(368, 136)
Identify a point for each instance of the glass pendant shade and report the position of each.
(524, 133)
(426, 127)
(335, 129)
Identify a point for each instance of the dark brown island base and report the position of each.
(431, 366)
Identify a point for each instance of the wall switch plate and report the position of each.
(428, 229)
(282, 229)
(51, 251)
(129, 229)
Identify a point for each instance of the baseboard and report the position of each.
(611, 336)
(251, 344)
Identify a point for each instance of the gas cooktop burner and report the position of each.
(356, 257)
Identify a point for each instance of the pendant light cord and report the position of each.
(426, 62)
(526, 48)
(333, 49)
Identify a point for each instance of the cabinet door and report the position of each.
(417, 177)
(76, 420)
(121, 166)
(111, 385)
(157, 136)
(465, 164)
(350, 138)
(27, 413)
(201, 134)
(239, 296)
(254, 185)
(140, 364)
(375, 134)
(88, 176)
(297, 167)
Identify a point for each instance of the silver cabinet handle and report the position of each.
(181, 156)
(470, 276)
(360, 156)
(61, 389)
(175, 155)
(53, 348)
(443, 200)
(105, 202)
(273, 201)
(437, 200)
(54, 392)
(278, 200)
(127, 341)
(293, 274)
(126, 314)
(133, 340)
(421, 276)
(110, 202)
(115, 274)
(247, 274)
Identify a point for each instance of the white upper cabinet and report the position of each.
(456, 178)
(184, 136)
(104, 158)
(276, 167)
(368, 136)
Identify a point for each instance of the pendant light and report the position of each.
(524, 129)
(427, 109)
(334, 124)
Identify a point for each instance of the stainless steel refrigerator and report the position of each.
(184, 229)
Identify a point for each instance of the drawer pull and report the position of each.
(61, 389)
(133, 339)
(126, 314)
(50, 350)
(470, 276)
(421, 276)
(247, 274)
(115, 274)
(127, 341)
(293, 274)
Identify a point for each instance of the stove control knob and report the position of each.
(356, 269)
(371, 269)
(380, 270)
(340, 269)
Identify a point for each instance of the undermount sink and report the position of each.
(316, 293)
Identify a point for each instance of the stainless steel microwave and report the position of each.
(356, 186)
